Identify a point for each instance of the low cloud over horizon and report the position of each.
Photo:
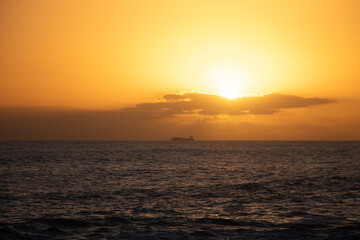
(175, 114)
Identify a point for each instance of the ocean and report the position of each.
(179, 190)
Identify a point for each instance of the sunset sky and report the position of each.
(151, 70)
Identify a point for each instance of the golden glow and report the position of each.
(118, 53)
(91, 54)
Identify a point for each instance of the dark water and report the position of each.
(180, 190)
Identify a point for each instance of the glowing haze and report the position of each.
(218, 70)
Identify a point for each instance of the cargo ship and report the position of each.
(191, 138)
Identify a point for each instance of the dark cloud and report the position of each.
(153, 120)
(211, 104)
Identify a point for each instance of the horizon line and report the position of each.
(169, 140)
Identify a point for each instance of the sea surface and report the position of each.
(179, 190)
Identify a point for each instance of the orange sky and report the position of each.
(107, 56)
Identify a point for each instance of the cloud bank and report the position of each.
(211, 104)
(153, 120)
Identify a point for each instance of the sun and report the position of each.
(230, 94)
(229, 80)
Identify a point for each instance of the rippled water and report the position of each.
(180, 190)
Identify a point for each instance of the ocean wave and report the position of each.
(162, 190)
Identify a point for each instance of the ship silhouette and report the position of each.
(191, 138)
